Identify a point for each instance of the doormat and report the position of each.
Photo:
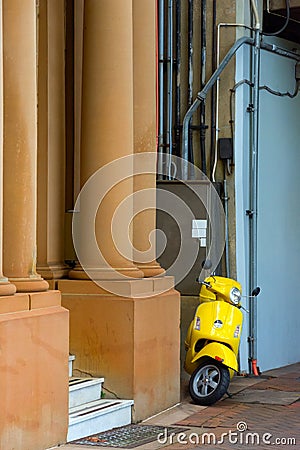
(129, 436)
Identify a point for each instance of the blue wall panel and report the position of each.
(278, 212)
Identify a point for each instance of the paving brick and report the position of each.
(281, 384)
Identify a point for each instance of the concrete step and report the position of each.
(84, 390)
(71, 359)
(98, 416)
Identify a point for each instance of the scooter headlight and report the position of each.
(235, 296)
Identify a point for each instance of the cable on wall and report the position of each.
(287, 19)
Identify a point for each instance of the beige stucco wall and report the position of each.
(34, 371)
(132, 341)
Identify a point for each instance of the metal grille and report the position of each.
(129, 436)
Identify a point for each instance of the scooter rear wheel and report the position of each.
(209, 382)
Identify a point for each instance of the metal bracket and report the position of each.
(250, 108)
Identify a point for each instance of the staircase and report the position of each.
(88, 412)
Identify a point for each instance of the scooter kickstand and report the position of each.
(229, 395)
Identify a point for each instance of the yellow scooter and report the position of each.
(213, 338)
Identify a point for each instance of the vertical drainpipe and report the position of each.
(203, 79)
(213, 92)
(253, 198)
(169, 148)
(190, 72)
(161, 12)
(178, 67)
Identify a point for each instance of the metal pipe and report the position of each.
(190, 52)
(279, 51)
(202, 84)
(190, 70)
(256, 15)
(253, 197)
(203, 41)
(213, 92)
(225, 198)
(286, 22)
(156, 75)
(201, 96)
(217, 110)
(161, 55)
(169, 147)
(243, 40)
(178, 68)
(216, 137)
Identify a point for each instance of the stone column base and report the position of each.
(53, 271)
(34, 284)
(151, 270)
(132, 340)
(34, 371)
(105, 274)
(7, 288)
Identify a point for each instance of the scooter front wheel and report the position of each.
(209, 383)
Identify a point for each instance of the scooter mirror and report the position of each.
(206, 264)
(255, 292)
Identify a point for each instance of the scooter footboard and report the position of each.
(218, 352)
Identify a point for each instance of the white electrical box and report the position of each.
(199, 232)
(199, 223)
(199, 227)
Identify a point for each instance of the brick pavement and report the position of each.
(247, 426)
(234, 425)
(287, 383)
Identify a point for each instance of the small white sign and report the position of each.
(199, 232)
(199, 223)
(202, 242)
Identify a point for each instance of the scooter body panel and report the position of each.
(218, 352)
(217, 323)
(220, 290)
